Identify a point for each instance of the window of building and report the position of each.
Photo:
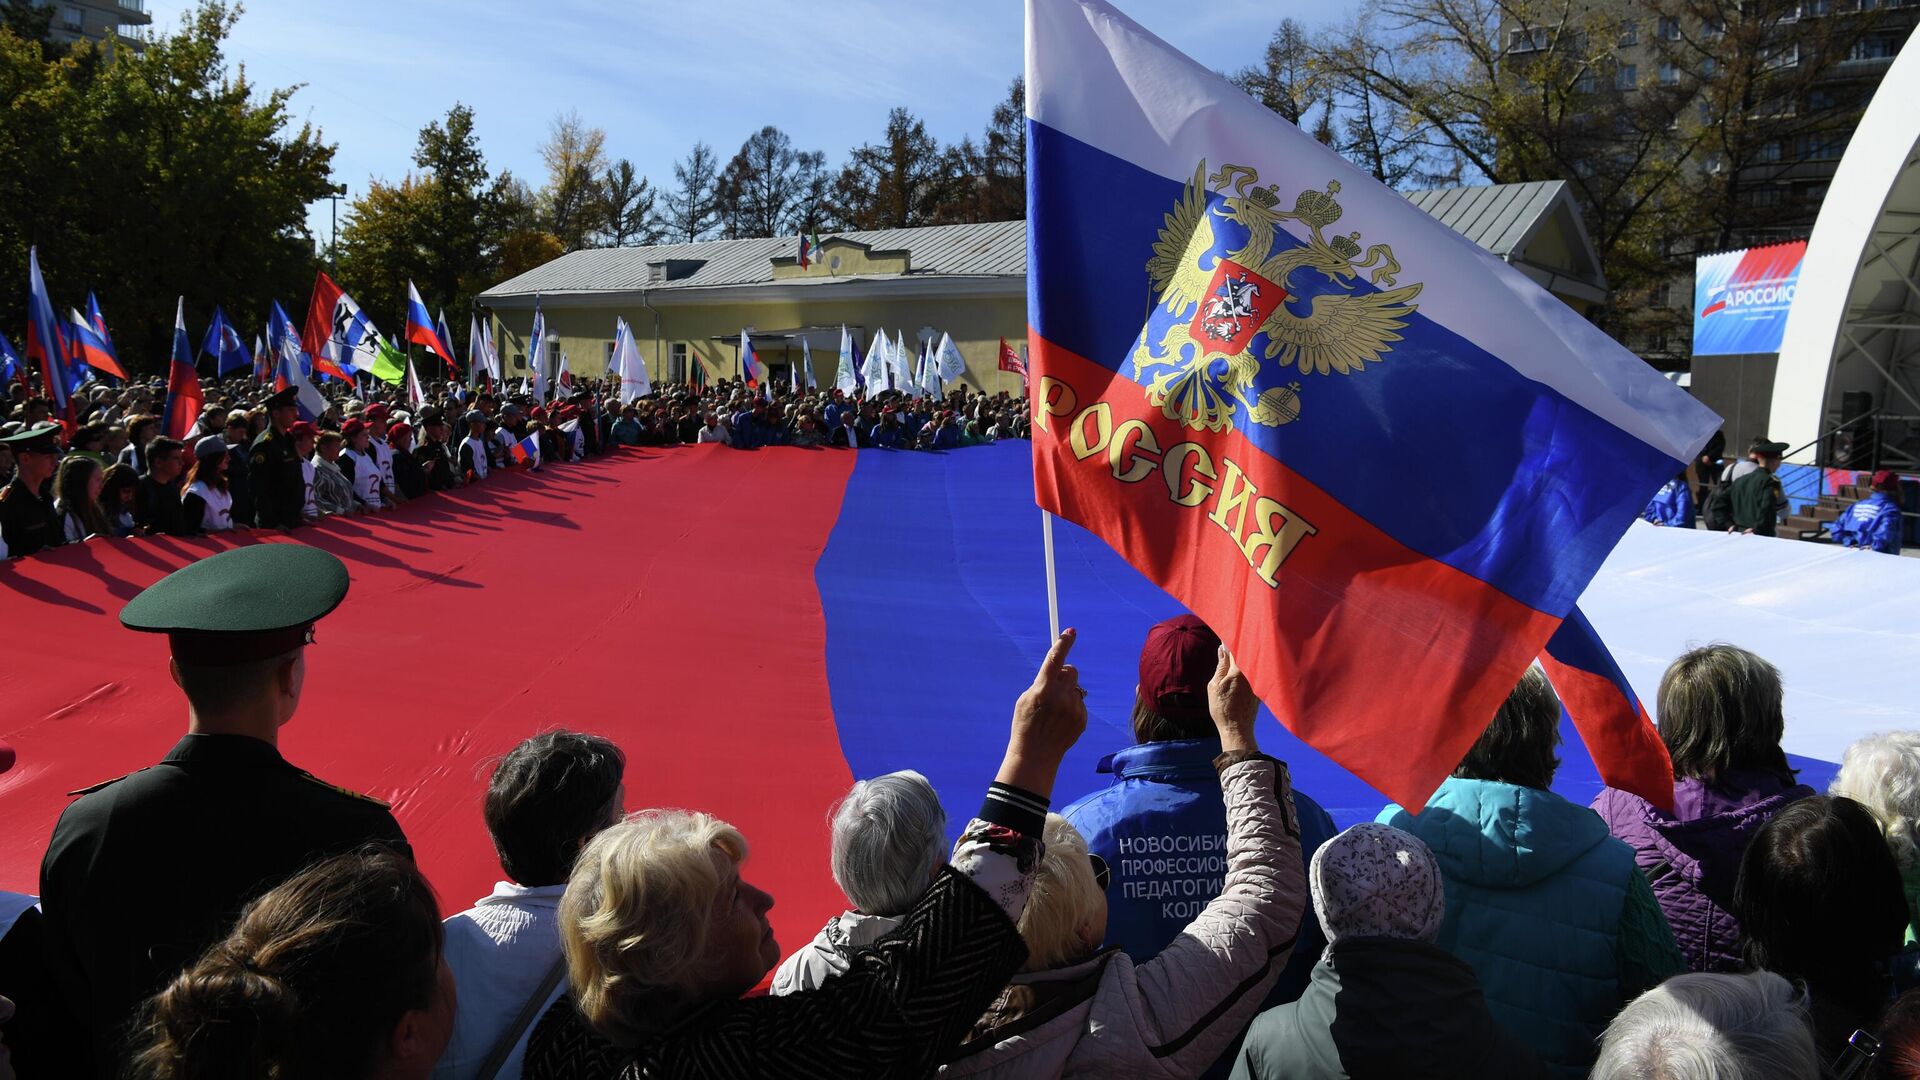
(1585, 83)
(1783, 58)
(519, 361)
(1657, 341)
(1769, 153)
(1815, 8)
(1812, 194)
(608, 361)
(1821, 146)
(1873, 47)
(1769, 195)
(1626, 77)
(1669, 73)
(1630, 32)
(1528, 39)
(1669, 29)
(677, 362)
(72, 17)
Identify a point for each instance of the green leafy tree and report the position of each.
(575, 156)
(151, 177)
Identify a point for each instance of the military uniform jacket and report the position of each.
(144, 872)
(28, 522)
(1756, 502)
(276, 481)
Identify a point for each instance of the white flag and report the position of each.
(875, 373)
(844, 380)
(537, 353)
(903, 372)
(952, 364)
(416, 396)
(629, 365)
(930, 381)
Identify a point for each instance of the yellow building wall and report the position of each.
(976, 323)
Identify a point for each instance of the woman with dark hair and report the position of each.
(76, 497)
(207, 503)
(140, 431)
(116, 499)
(1819, 896)
(1721, 718)
(1546, 908)
(336, 973)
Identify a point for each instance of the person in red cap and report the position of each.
(1875, 522)
(362, 469)
(1162, 824)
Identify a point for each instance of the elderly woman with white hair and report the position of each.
(889, 840)
(663, 936)
(1882, 773)
(1750, 1026)
(1078, 1009)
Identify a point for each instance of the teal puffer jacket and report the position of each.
(1535, 891)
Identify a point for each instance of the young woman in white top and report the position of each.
(361, 466)
(76, 498)
(207, 503)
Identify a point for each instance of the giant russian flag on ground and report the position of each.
(896, 614)
(1378, 460)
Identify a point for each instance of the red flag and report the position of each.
(1011, 362)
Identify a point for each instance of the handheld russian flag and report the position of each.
(1596, 696)
(78, 370)
(1231, 441)
(290, 364)
(527, 449)
(46, 346)
(751, 369)
(420, 329)
(337, 337)
(111, 354)
(224, 345)
(262, 360)
(446, 338)
(806, 251)
(184, 397)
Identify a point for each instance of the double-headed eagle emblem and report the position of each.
(1221, 311)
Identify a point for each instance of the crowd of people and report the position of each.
(1746, 496)
(250, 461)
(1753, 928)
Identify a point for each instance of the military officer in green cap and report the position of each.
(274, 477)
(1756, 499)
(27, 519)
(144, 872)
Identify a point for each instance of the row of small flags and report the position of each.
(338, 342)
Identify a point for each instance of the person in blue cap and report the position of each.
(147, 870)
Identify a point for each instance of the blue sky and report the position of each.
(659, 75)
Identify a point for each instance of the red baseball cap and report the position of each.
(1180, 657)
(376, 411)
(303, 429)
(353, 427)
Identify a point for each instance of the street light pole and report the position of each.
(333, 244)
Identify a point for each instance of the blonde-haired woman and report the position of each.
(663, 935)
(1882, 773)
(1080, 1010)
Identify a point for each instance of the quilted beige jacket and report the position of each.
(1173, 1015)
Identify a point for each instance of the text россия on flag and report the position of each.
(1381, 463)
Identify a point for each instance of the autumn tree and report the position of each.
(763, 187)
(575, 157)
(905, 180)
(690, 212)
(993, 172)
(629, 214)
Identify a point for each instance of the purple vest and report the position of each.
(1692, 856)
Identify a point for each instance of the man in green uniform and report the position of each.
(144, 872)
(27, 520)
(1756, 498)
(273, 467)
